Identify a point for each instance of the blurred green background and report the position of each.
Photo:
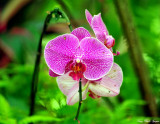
(21, 23)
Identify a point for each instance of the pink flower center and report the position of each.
(78, 69)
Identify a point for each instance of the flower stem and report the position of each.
(66, 18)
(80, 100)
(34, 84)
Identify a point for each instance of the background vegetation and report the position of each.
(21, 24)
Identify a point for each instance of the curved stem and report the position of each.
(67, 19)
(34, 84)
(69, 14)
(80, 100)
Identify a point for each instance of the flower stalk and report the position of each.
(34, 83)
(80, 100)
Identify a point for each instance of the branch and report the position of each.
(136, 56)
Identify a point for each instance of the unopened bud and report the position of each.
(110, 42)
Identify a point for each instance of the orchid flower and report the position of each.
(78, 55)
(100, 30)
(107, 86)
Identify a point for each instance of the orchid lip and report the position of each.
(78, 68)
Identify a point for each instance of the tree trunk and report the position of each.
(136, 56)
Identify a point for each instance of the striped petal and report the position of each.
(110, 84)
(73, 95)
(65, 83)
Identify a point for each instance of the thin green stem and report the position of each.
(80, 100)
(34, 84)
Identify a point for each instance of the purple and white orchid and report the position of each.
(100, 30)
(78, 53)
(75, 56)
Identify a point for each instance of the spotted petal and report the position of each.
(81, 33)
(73, 95)
(97, 57)
(99, 27)
(88, 17)
(110, 84)
(60, 51)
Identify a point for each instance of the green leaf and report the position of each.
(39, 118)
(4, 107)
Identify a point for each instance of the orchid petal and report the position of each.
(110, 84)
(67, 69)
(99, 90)
(73, 95)
(81, 33)
(97, 57)
(65, 83)
(52, 74)
(99, 27)
(60, 51)
(100, 36)
(88, 16)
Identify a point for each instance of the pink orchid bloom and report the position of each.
(107, 86)
(100, 30)
(79, 55)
